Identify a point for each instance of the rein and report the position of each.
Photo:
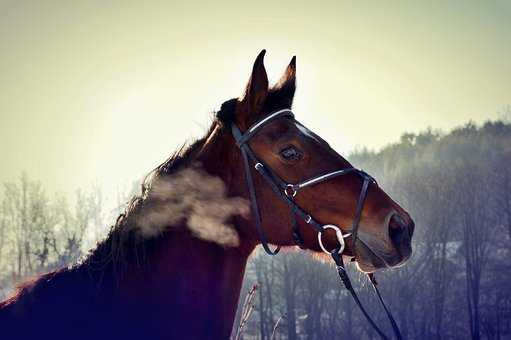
(287, 191)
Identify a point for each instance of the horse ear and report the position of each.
(256, 91)
(286, 86)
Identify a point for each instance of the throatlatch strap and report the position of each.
(254, 206)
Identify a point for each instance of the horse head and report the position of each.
(321, 183)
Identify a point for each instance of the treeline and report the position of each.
(457, 187)
(41, 231)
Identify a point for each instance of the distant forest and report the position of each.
(456, 185)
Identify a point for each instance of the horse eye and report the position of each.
(290, 153)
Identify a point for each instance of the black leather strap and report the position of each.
(253, 204)
(343, 275)
(341, 270)
(393, 322)
(297, 236)
(287, 192)
(358, 211)
(272, 179)
(247, 135)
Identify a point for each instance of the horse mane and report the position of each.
(124, 245)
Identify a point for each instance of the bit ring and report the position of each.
(290, 190)
(338, 233)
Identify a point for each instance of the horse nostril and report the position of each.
(400, 234)
(398, 231)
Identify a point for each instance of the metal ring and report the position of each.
(308, 219)
(258, 166)
(292, 192)
(338, 233)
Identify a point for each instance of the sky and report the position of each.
(103, 91)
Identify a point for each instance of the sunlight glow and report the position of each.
(92, 92)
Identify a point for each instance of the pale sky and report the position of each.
(105, 90)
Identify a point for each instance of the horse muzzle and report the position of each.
(373, 254)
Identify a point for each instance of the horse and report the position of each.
(173, 263)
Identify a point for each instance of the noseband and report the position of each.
(288, 191)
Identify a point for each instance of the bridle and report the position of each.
(287, 192)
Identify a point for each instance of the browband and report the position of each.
(242, 138)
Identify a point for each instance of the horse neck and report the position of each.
(195, 282)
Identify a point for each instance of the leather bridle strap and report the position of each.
(360, 205)
(287, 192)
(242, 138)
(276, 184)
(343, 275)
(253, 203)
(341, 269)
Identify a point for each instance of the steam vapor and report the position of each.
(196, 197)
